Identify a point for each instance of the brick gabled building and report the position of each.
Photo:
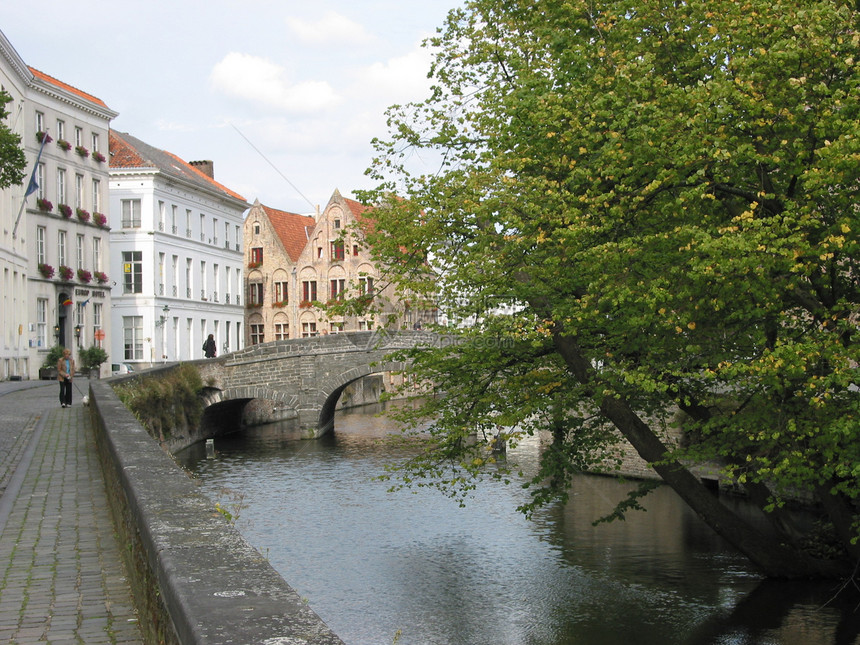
(294, 261)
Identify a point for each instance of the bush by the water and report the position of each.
(165, 402)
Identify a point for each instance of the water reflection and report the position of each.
(372, 562)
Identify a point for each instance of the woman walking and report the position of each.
(65, 372)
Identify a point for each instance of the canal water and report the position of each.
(413, 568)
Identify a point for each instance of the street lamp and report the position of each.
(163, 318)
(78, 334)
(57, 332)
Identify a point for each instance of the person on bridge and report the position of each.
(65, 372)
(209, 349)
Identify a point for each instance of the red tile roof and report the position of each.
(129, 152)
(53, 81)
(292, 229)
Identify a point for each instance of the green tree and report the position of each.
(93, 357)
(12, 160)
(666, 193)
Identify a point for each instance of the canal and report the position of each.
(413, 568)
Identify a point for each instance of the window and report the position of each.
(94, 142)
(337, 289)
(319, 252)
(257, 335)
(337, 250)
(365, 286)
(97, 253)
(256, 256)
(132, 269)
(41, 232)
(282, 331)
(281, 294)
(337, 223)
(61, 186)
(79, 316)
(40, 122)
(256, 228)
(130, 213)
(97, 315)
(188, 278)
(79, 191)
(132, 337)
(355, 249)
(61, 129)
(42, 321)
(41, 178)
(161, 214)
(336, 327)
(255, 293)
(309, 290)
(79, 136)
(79, 250)
(61, 248)
(309, 329)
(97, 196)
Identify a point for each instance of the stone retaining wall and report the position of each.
(195, 578)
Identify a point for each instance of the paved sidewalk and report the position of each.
(61, 574)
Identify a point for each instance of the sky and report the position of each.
(283, 96)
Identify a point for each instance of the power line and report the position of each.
(273, 166)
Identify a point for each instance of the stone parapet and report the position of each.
(195, 578)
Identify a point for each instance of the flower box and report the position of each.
(82, 151)
(100, 219)
(44, 205)
(84, 275)
(83, 215)
(306, 304)
(40, 136)
(98, 156)
(254, 305)
(254, 265)
(46, 270)
(66, 273)
(65, 210)
(281, 303)
(101, 277)
(65, 145)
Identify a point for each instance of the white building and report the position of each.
(55, 228)
(176, 256)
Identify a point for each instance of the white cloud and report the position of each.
(403, 78)
(331, 28)
(259, 80)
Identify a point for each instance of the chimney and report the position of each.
(206, 167)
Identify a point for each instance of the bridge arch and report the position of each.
(332, 389)
(307, 376)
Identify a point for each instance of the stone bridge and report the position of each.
(301, 380)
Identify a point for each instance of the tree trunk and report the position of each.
(775, 559)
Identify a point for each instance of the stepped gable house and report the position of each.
(294, 261)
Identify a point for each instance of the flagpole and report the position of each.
(32, 186)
